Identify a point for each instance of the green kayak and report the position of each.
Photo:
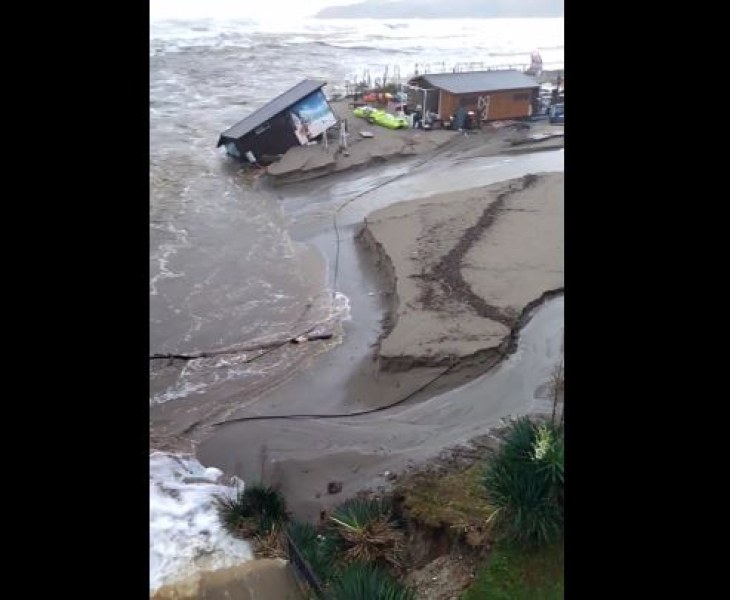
(382, 118)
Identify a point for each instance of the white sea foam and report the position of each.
(180, 389)
(185, 533)
(341, 307)
(165, 251)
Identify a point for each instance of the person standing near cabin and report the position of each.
(417, 118)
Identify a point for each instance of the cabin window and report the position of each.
(469, 100)
(522, 96)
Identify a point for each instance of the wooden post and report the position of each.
(343, 137)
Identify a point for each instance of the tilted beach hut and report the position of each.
(298, 116)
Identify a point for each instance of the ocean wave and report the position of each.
(364, 36)
(510, 53)
(357, 47)
(176, 239)
(241, 364)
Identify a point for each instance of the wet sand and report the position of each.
(465, 265)
(303, 163)
(308, 162)
(303, 455)
(337, 374)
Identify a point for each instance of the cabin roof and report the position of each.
(480, 81)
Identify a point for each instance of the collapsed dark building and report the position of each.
(296, 117)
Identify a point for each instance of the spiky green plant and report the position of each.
(519, 441)
(360, 581)
(319, 549)
(253, 511)
(525, 510)
(359, 511)
(368, 531)
(524, 484)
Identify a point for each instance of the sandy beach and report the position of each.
(460, 275)
(465, 265)
(303, 163)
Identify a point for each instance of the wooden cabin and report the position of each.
(493, 95)
(298, 116)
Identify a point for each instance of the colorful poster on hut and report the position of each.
(311, 117)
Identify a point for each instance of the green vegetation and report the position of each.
(319, 548)
(255, 511)
(457, 500)
(520, 574)
(360, 581)
(515, 500)
(368, 531)
(345, 553)
(524, 484)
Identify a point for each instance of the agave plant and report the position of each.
(524, 483)
(320, 550)
(360, 581)
(368, 531)
(254, 511)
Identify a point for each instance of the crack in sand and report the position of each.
(447, 273)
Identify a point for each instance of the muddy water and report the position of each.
(233, 264)
(211, 389)
(305, 454)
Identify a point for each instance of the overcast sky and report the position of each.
(196, 9)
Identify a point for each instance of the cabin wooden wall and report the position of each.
(277, 138)
(512, 104)
(448, 104)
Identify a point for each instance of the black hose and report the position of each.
(360, 195)
(341, 415)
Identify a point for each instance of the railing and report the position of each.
(465, 67)
(392, 74)
(302, 569)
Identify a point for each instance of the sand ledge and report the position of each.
(466, 269)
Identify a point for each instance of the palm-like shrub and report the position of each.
(254, 511)
(319, 549)
(368, 531)
(524, 484)
(360, 581)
